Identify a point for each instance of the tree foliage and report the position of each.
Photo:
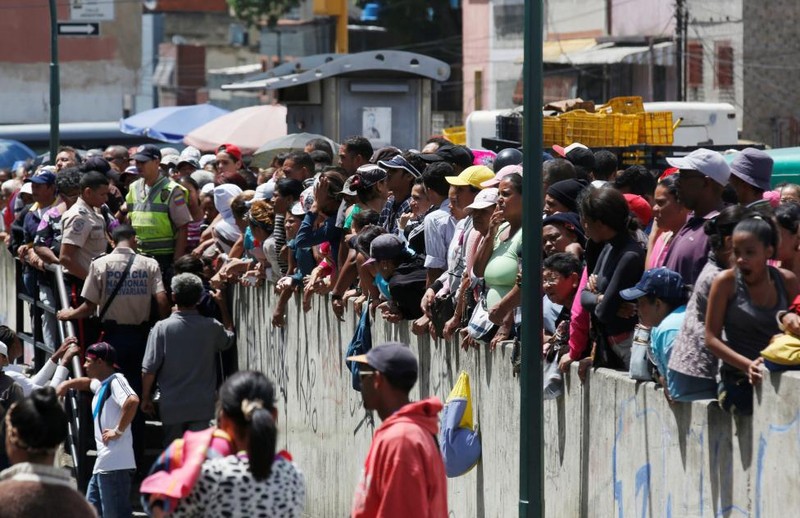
(258, 12)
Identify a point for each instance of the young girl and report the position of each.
(744, 302)
(692, 368)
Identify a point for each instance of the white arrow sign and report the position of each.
(78, 29)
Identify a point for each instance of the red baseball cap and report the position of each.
(640, 208)
(232, 150)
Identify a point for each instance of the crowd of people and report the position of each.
(680, 275)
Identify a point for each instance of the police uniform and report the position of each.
(156, 213)
(126, 321)
(83, 227)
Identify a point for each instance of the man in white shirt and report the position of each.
(113, 407)
(52, 373)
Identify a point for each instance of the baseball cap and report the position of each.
(96, 163)
(385, 246)
(231, 149)
(206, 159)
(483, 200)
(472, 175)
(366, 176)
(170, 160)
(583, 157)
(754, 167)
(298, 209)
(398, 162)
(562, 151)
(26, 188)
(569, 220)
(103, 351)
(44, 177)
(458, 155)
(265, 191)
(502, 173)
(640, 208)
(661, 282)
(4, 349)
(146, 153)
(392, 359)
(132, 169)
(710, 163)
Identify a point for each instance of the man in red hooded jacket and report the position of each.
(404, 473)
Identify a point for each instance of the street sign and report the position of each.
(91, 10)
(78, 29)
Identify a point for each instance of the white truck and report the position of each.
(701, 123)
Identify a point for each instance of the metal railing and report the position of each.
(80, 428)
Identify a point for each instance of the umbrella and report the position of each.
(296, 141)
(249, 128)
(12, 151)
(170, 123)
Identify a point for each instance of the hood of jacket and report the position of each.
(424, 414)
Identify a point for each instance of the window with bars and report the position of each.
(723, 78)
(694, 64)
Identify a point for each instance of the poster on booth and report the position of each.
(376, 123)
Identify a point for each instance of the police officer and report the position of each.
(157, 210)
(84, 238)
(124, 316)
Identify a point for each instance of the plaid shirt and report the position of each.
(390, 214)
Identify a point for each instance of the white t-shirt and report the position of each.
(117, 454)
(49, 375)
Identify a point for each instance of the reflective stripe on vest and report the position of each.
(150, 218)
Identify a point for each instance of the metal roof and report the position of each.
(315, 68)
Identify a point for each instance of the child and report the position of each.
(113, 407)
(744, 302)
(560, 276)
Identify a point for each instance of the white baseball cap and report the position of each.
(483, 200)
(705, 161)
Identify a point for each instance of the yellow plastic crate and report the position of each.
(552, 132)
(655, 128)
(590, 129)
(626, 129)
(455, 134)
(624, 105)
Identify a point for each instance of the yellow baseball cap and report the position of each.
(472, 175)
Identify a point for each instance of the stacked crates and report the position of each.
(620, 122)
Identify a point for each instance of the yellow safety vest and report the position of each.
(150, 217)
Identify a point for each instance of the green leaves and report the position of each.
(260, 12)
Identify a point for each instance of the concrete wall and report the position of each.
(322, 421)
(614, 447)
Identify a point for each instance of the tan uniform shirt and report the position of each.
(131, 306)
(84, 228)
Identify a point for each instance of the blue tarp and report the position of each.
(170, 123)
(12, 151)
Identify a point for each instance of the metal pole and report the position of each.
(531, 448)
(679, 48)
(55, 93)
(77, 368)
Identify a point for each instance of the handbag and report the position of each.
(360, 344)
(783, 350)
(459, 438)
(640, 355)
(480, 328)
(442, 310)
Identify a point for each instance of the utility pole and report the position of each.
(55, 82)
(679, 45)
(531, 434)
(338, 9)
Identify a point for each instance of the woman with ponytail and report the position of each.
(242, 475)
(34, 427)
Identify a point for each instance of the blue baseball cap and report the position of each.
(44, 177)
(662, 282)
(392, 359)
